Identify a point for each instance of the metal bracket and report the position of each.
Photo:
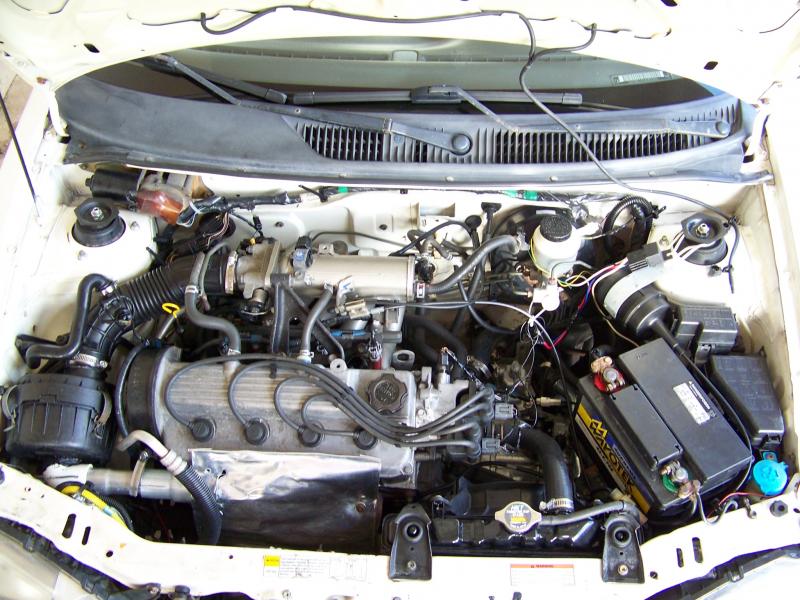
(411, 556)
(622, 558)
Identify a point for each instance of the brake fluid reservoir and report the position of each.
(555, 245)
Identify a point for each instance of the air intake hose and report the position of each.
(36, 352)
(129, 305)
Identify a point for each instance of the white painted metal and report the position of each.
(267, 573)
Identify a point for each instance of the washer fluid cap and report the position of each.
(770, 476)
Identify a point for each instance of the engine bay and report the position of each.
(402, 372)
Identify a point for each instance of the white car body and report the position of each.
(756, 58)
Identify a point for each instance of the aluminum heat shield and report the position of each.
(294, 500)
(203, 392)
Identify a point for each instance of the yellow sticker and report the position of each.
(272, 560)
(170, 308)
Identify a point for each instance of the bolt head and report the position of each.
(702, 230)
(412, 566)
(623, 570)
(96, 213)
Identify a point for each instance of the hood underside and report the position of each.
(721, 43)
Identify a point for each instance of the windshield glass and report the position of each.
(401, 63)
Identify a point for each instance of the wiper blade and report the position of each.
(435, 94)
(457, 143)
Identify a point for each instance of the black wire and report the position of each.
(571, 410)
(782, 25)
(355, 233)
(426, 234)
(480, 320)
(371, 19)
(532, 55)
(19, 149)
(245, 221)
(119, 411)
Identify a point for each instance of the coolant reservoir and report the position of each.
(555, 245)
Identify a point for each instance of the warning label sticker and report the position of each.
(694, 402)
(295, 564)
(555, 574)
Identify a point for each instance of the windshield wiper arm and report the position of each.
(457, 143)
(211, 81)
(434, 94)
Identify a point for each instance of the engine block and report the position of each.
(202, 392)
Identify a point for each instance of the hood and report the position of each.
(733, 45)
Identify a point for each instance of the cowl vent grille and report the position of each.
(344, 143)
(534, 148)
(499, 146)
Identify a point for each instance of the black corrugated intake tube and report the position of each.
(96, 332)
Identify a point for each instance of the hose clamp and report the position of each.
(191, 289)
(557, 504)
(87, 360)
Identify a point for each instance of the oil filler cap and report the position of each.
(387, 394)
(518, 517)
(97, 223)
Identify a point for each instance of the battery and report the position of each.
(663, 416)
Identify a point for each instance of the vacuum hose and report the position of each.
(420, 325)
(469, 265)
(311, 320)
(191, 294)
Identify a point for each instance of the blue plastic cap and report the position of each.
(770, 476)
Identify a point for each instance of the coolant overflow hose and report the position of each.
(209, 524)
